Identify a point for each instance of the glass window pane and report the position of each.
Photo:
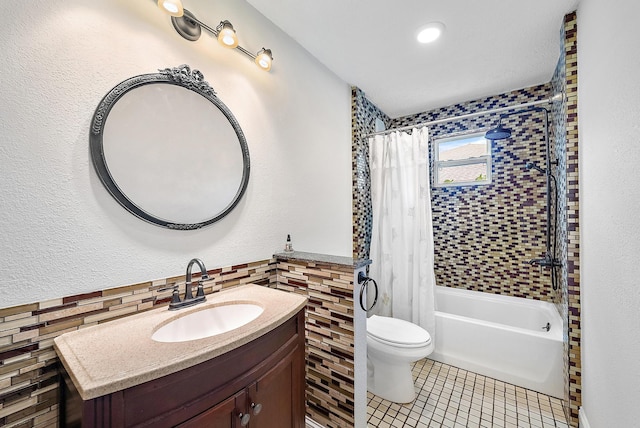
(475, 172)
(463, 148)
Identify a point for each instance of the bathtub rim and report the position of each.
(554, 333)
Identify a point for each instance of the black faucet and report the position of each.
(189, 300)
(546, 261)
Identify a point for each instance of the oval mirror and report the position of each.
(169, 150)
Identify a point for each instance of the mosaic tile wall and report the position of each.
(566, 152)
(29, 367)
(363, 122)
(488, 233)
(330, 336)
(560, 154)
(482, 232)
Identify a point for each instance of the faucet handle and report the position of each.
(167, 288)
(175, 297)
(200, 291)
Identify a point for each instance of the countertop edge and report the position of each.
(90, 388)
(322, 258)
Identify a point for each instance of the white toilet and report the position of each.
(392, 345)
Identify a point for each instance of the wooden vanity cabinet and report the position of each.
(268, 403)
(223, 415)
(263, 379)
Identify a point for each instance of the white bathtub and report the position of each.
(501, 337)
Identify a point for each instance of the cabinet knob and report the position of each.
(244, 419)
(256, 408)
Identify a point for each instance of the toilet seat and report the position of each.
(397, 332)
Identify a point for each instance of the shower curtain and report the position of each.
(402, 233)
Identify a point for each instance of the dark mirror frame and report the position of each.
(192, 80)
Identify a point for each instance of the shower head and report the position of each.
(498, 133)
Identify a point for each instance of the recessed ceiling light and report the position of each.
(430, 32)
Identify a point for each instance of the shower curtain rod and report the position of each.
(556, 97)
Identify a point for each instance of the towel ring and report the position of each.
(364, 280)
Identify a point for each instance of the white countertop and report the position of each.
(120, 354)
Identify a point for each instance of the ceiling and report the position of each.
(488, 47)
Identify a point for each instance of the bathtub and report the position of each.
(502, 337)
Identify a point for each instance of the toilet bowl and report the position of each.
(392, 345)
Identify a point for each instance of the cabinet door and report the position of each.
(223, 415)
(271, 400)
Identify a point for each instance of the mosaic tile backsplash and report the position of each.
(29, 372)
(29, 366)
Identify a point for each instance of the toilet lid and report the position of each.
(398, 331)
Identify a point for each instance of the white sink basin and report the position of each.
(207, 322)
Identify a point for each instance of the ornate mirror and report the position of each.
(168, 150)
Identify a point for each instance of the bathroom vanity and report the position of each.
(253, 375)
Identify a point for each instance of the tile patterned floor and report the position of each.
(454, 398)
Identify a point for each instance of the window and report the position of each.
(463, 160)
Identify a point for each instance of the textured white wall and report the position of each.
(63, 234)
(609, 118)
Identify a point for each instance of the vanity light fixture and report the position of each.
(190, 27)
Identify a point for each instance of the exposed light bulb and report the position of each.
(430, 32)
(227, 35)
(187, 26)
(264, 58)
(172, 7)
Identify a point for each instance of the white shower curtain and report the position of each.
(402, 233)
